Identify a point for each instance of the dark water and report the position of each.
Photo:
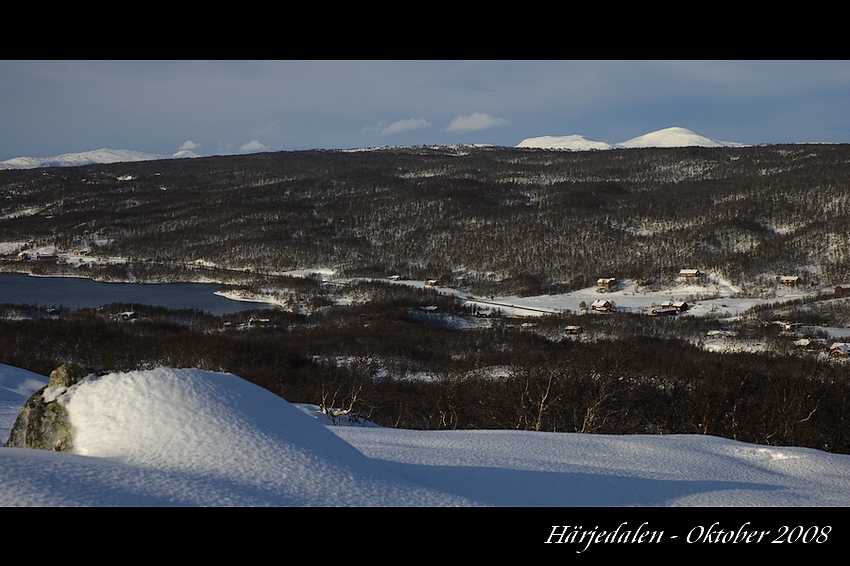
(83, 293)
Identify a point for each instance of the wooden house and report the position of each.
(839, 350)
(603, 305)
(680, 306)
(664, 312)
(690, 273)
(789, 280)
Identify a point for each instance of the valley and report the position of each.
(694, 290)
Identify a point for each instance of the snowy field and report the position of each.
(188, 437)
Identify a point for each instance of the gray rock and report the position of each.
(45, 425)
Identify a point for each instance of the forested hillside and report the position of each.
(494, 221)
(488, 219)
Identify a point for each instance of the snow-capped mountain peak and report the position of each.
(667, 137)
(103, 155)
(675, 137)
(574, 142)
(184, 153)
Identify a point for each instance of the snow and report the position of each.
(16, 386)
(8, 248)
(668, 137)
(192, 437)
(103, 155)
(185, 153)
(574, 142)
(674, 137)
(710, 295)
(197, 438)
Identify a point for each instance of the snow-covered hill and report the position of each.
(94, 156)
(574, 142)
(668, 137)
(192, 437)
(675, 137)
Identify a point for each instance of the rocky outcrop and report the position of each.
(43, 421)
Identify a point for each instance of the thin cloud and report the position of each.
(189, 144)
(252, 146)
(475, 122)
(399, 126)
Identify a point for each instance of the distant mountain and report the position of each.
(668, 137)
(94, 156)
(675, 137)
(184, 153)
(574, 142)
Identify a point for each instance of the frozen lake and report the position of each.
(76, 293)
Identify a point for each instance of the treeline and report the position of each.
(492, 220)
(635, 386)
(400, 362)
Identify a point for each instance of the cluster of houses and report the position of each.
(428, 282)
(836, 351)
(670, 308)
(47, 252)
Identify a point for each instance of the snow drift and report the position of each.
(192, 437)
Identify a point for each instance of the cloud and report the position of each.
(188, 144)
(252, 146)
(475, 122)
(398, 126)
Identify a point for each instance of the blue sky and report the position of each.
(212, 107)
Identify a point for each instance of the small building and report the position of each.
(721, 334)
(603, 305)
(839, 350)
(789, 280)
(572, 330)
(664, 312)
(680, 306)
(690, 273)
(607, 282)
(431, 283)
